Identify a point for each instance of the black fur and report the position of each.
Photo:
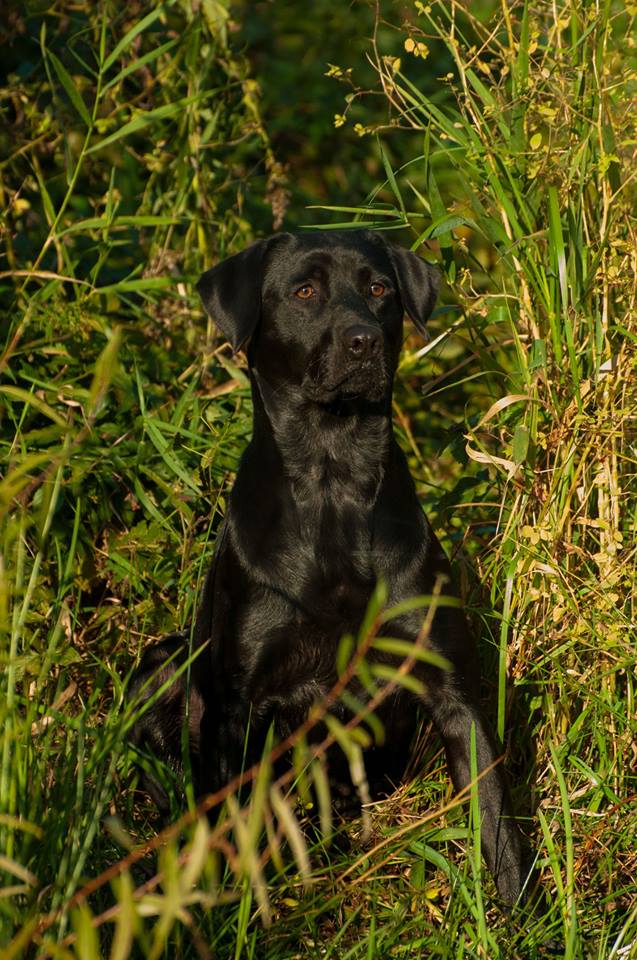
(323, 506)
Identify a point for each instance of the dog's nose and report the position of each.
(362, 340)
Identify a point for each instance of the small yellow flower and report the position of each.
(416, 47)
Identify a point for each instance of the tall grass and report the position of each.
(122, 422)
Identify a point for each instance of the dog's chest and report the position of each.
(308, 532)
(289, 644)
(334, 473)
(332, 501)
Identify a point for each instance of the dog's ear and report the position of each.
(231, 293)
(418, 284)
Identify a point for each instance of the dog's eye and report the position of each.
(306, 292)
(377, 289)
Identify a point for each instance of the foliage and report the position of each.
(135, 153)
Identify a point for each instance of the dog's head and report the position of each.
(322, 311)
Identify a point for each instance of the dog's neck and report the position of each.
(309, 484)
(332, 453)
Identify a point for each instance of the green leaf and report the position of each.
(537, 355)
(391, 179)
(40, 405)
(520, 443)
(105, 370)
(136, 286)
(137, 64)
(344, 653)
(392, 676)
(71, 90)
(322, 787)
(357, 224)
(128, 38)
(439, 214)
(164, 448)
(443, 226)
(114, 223)
(375, 606)
(87, 945)
(418, 603)
(403, 649)
(144, 119)
(360, 211)
(19, 476)
(556, 239)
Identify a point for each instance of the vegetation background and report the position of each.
(142, 142)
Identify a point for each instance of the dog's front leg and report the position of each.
(226, 749)
(455, 717)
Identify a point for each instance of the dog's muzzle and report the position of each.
(363, 342)
(353, 366)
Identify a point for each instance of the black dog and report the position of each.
(322, 507)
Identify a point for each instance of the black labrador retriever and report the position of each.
(322, 507)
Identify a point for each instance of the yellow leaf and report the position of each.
(501, 404)
(480, 457)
